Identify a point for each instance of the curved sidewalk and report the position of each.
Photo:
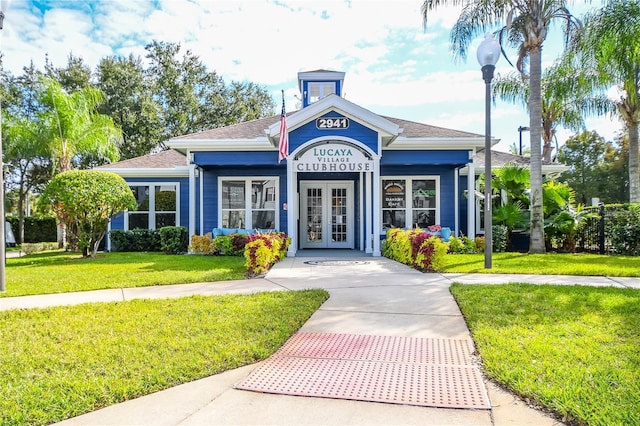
(368, 296)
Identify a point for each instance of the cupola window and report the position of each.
(318, 90)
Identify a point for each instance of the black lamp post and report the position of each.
(520, 130)
(488, 55)
(3, 242)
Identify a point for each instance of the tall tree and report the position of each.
(24, 151)
(609, 46)
(129, 102)
(74, 127)
(526, 23)
(584, 154)
(563, 101)
(76, 75)
(193, 98)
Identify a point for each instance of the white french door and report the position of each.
(326, 214)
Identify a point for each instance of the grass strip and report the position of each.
(581, 264)
(572, 349)
(59, 272)
(65, 361)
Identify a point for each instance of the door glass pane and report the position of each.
(314, 214)
(338, 214)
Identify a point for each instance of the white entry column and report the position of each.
(471, 201)
(376, 206)
(292, 209)
(368, 221)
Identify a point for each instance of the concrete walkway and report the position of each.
(372, 296)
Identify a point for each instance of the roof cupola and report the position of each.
(315, 85)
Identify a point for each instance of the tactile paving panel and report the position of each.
(400, 370)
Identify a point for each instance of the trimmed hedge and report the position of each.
(36, 229)
(168, 239)
(625, 230)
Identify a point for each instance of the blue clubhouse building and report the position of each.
(350, 175)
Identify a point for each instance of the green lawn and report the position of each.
(550, 263)
(58, 272)
(65, 361)
(572, 349)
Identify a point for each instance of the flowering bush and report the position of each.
(202, 244)
(415, 248)
(262, 251)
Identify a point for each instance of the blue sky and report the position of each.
(393, 66)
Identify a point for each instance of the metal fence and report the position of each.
(595, 236)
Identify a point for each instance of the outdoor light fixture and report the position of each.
(488, 55)
(4, 4)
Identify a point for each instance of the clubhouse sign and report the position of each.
(333, 158)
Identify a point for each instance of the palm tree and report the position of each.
(74, 127)
(609, 47)
(563, 100)
(525, 23)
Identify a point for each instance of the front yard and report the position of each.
(569, 349)
(65, 361)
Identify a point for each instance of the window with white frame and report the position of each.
(410, 202)
(318, 90)
(248, 203)
(157, 206)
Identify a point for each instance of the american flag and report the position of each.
(283, 145)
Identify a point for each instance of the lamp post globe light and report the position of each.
(4, 4)
(488, 55)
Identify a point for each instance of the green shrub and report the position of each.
(84, 201)
(36, 229)
(174, 239)
(135, 240)
(500, 236)
(28, 248)
(462, 245)
(202, 244)
(625, 230)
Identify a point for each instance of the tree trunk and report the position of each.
(535, 133)
(21, 201)
(634, 174)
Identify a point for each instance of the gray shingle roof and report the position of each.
(162, 160)
(256, 129)
(499, 159)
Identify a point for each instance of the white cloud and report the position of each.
(393, 65)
